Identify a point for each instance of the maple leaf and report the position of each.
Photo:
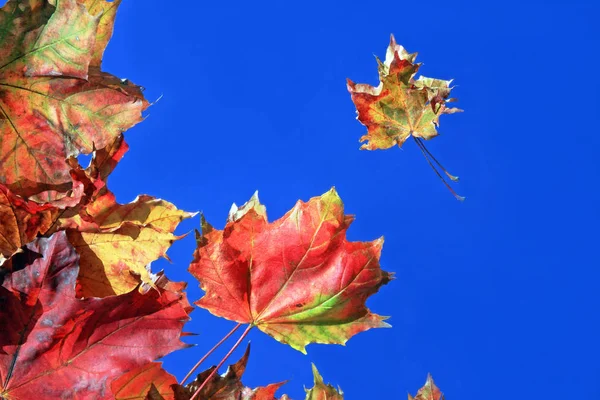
(21, 221)
(116, 241)
(297, 279)
(54, 345)
(122, 240)
(321, 391)
(52, 104)
(401, 106)
(428, 392)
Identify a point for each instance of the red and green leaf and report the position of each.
(402, 106)
(297, 279)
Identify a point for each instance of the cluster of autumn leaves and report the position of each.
(82, 315)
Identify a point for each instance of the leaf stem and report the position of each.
(195, 367)
(235, 346)
(452, 177)
(427, 154)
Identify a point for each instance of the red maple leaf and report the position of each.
(297, 279)
(54, 345)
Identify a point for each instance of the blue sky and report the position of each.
(497, 297)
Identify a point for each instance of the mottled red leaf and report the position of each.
(55, 345)
(52, 104)
(297, 279)
(402, 106)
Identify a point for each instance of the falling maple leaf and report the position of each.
(428, 392)
(297, 279)
(52, 104)
(321, 391)
(401, 106)
(54, 345)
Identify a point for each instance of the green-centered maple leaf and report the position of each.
(402, 106)
(322, 391)
(54, 345)
(53, 105)
(297, 279)
(428, 392)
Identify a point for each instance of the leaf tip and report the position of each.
(332, 197)
(236, 213)
(429, 380)
(318, 379)
(349, 85)
(187, 214)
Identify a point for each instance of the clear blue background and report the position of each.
(497, 297)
